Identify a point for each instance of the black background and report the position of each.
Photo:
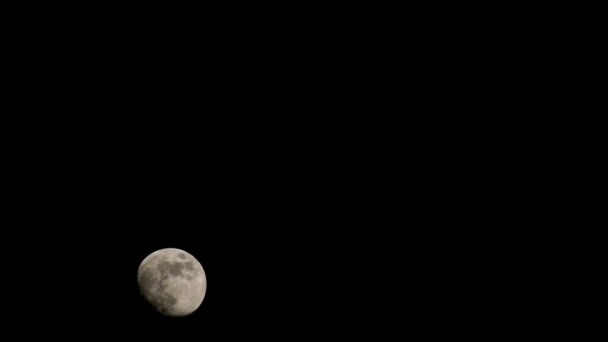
(307, 170)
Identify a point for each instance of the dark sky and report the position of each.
(271, 168)
(320, 178)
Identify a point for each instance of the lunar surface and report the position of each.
(173, 281)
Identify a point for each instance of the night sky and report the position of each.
(266, 160)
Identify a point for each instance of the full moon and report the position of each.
(172, 281)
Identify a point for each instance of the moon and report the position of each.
(172, 281)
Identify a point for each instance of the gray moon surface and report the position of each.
(172, 281)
